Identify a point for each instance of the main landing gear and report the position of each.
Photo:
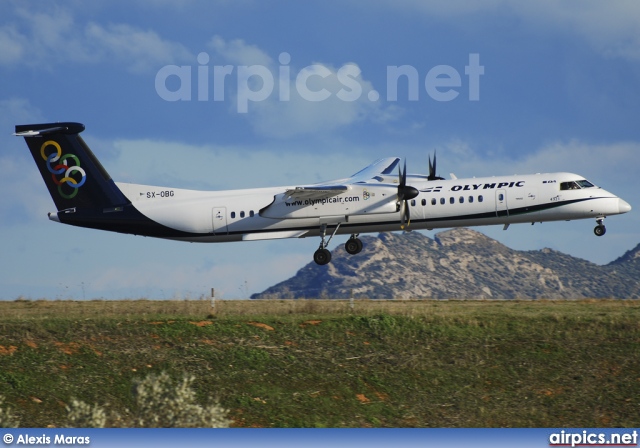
(353, 245)
(322, 256)
(600, 229)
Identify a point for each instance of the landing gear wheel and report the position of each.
(353, 246)
(322, 256)
(600, 230)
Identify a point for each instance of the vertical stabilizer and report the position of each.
(74, 176)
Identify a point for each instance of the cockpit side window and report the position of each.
(569, 186)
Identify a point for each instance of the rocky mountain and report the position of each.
(461, 264)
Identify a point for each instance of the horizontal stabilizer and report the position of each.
(32, 130)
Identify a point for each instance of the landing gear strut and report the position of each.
(600, 229)
(322, 256)
(353, 245)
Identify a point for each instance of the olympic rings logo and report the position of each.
(58, 165)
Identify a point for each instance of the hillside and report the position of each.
(458, 263)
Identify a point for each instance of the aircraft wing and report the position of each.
(315, 192)
(380, 167)
(333, 188)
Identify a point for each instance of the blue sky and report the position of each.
(560, 92)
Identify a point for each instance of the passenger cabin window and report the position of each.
(251, 213)
(433, 201)
(233, 215)
(442, 201)
(452, 200)
(470, 199)
(424, 202)
(461, 199)
(480, 198)
(413, 202)
(242, 214)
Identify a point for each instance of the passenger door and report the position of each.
(219, 217)
(501, 203)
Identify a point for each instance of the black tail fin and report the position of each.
(74, 176)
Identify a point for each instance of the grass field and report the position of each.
(325, 364)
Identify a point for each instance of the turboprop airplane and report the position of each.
(380, 198)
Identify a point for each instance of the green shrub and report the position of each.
(82, 415)
(7, 420)
(159, 403)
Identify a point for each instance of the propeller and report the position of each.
(432, 169)
(405, 193)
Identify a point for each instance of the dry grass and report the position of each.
(300, 363)
(42, 309)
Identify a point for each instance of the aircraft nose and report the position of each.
(623, 206)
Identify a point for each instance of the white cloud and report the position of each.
(611, 28)
(214, 167)
(179, 164)
(25, 196)
(17, 110)
(39, 37)
(50, 33)
(12, 45)
(238, 52)
(231, 278)
(284, 100)
(140, 50)
(300, 115)
(615, 162)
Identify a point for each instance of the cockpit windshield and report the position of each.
(584, 183)
(576, 185)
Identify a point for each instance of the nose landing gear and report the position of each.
(600, 229)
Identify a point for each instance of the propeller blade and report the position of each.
(401, 181)
(407, 213)
(432, 169)
(404, 174)
(402, 177)
(405, 193)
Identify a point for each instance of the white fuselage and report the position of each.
(266, 213)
